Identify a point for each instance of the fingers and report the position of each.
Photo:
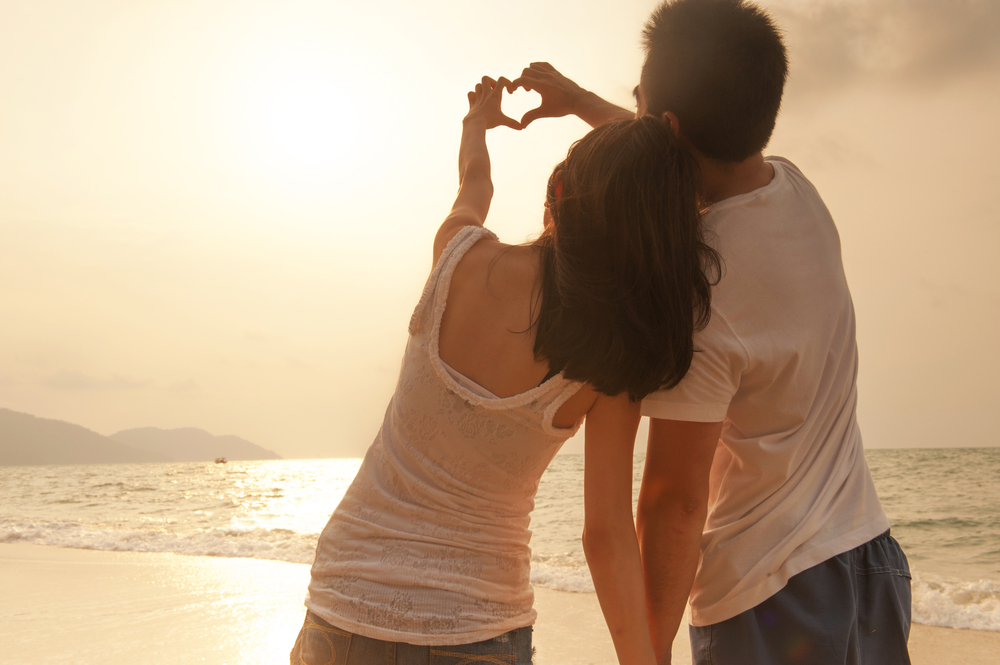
(530, 76)
(485, 100)
(532, 115)
(519, 82)
(533, 82)
(502, 84)
(509, 122)
(507, 84)
(487, 86)
(536, 71)
(539, 68)
(527, 78)
(485, 89)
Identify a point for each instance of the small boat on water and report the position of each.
(220, 460)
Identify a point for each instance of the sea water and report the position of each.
(942, 504)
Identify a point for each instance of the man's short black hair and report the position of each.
(720, 66)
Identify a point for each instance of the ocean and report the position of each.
(942, 504)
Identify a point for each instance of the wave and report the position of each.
(563, 572)
(232, 541)
(937, 601)
(950, 603)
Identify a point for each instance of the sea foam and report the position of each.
(561, 572)
(564, 572)
(938, 601)
(254, 543)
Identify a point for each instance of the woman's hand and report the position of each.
(484, 104)
(475, 186)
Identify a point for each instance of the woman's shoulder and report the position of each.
(504, 271)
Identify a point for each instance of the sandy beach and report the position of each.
(94, 607)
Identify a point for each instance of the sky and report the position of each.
(219, 214)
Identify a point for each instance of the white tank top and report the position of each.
(430, 543)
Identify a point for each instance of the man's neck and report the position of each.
(724, 180)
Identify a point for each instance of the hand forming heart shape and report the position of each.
(515, 104)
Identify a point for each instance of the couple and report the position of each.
(681, 276)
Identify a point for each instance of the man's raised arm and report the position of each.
(673, 505)
(560, 97)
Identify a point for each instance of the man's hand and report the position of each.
(484, 103)
(561, 96)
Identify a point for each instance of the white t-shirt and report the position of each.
(778, 363)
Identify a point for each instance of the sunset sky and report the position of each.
(219, 214)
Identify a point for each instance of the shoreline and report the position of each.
(91, 606)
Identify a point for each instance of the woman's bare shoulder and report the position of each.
(501, 261)
(503, 266)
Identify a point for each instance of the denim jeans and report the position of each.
(852, 609)
(319, 643)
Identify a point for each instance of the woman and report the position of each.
(426, 559)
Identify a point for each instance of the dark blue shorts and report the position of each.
(853, 609)
(319, 643)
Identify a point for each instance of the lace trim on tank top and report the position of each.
(466, 382)
(436, 294)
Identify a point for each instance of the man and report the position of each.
(756, 499)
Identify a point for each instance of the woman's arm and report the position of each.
(475, 187)
(609, 539)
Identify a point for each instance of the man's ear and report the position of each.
(670, 118)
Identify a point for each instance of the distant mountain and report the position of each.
(27, 440)
(191, 445)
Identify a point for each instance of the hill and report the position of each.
(27, 440)
(189, 444)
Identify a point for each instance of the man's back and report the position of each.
(789, 486)
(758, 444)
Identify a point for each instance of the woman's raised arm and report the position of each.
(475, 187)
(609, 539)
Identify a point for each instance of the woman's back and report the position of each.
(487, 332)
(430, 543)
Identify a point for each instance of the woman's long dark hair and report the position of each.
(626, 275)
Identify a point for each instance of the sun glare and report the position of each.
(291, 127)
(297, 121)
